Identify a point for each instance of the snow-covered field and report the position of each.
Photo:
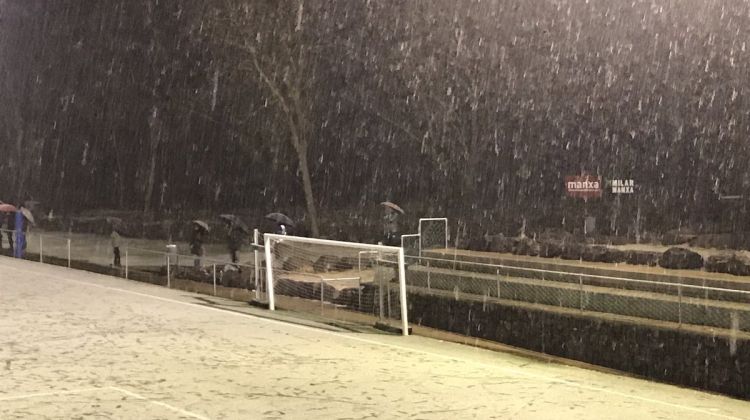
(80, 345)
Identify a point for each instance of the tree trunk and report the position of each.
(20, 166)
(155, 135)
(307, 185)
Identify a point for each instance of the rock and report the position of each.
(681, 258)
(594, 253)
(230, 276)
(500, 243)
(196, 274)
(555, 235)
(730, 263)
(614, 256)
(525, 246)
(677, 237)
(350, 297)
(288, 287)
(642, 258)
(739, 265)
(326, 263)
(479, 243)
(304, 289)
(550, 249)
(463, 242)
(718, 263)
(294, 263)
(348, 263)
(572, 251)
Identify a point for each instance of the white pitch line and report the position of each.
(159, 403)
(49, 394)
(113, 388)
(393, 346)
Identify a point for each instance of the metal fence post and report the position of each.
(580, 291)
(322, 294)
(388, 296)
(429, 286)
(41, 248)
(169, 281)
(68, 252)
(269, 274)
(126, 263)
(359, 293)
(402, 292)
(214, 266)
(256, 256)
(679, 303)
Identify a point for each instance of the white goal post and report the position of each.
(310, 268)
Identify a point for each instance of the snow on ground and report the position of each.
(80, 345)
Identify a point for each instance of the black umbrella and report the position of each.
(203, 225)
(235, 222)
(281, 219)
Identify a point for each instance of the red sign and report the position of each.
(583, 186)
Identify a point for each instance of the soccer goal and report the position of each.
(351, 284)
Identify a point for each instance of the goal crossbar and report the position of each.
(316, 241)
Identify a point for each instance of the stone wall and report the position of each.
(687, 356)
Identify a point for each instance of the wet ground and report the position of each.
(80, 345)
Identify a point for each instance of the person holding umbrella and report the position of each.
(236, 231)
(282, 222)
(27, 219)
(197, 237)
(390, 223)
(8, 211)
(116, 242)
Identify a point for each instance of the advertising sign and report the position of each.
(583, 186)
(622, 186)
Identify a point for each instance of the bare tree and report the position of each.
(283, 66)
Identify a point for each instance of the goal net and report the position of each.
(349, 284)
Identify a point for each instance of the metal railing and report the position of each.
(678, 302)
(89, 251)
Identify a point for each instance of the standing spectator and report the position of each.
(236, 231)
(390, 223)
(234, 241)
(116, 241)
(25, 230)
(197, 238)
(390, 227)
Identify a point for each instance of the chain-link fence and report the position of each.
(410, 244)
(168, 267)
(433, 234)
(677, 302)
